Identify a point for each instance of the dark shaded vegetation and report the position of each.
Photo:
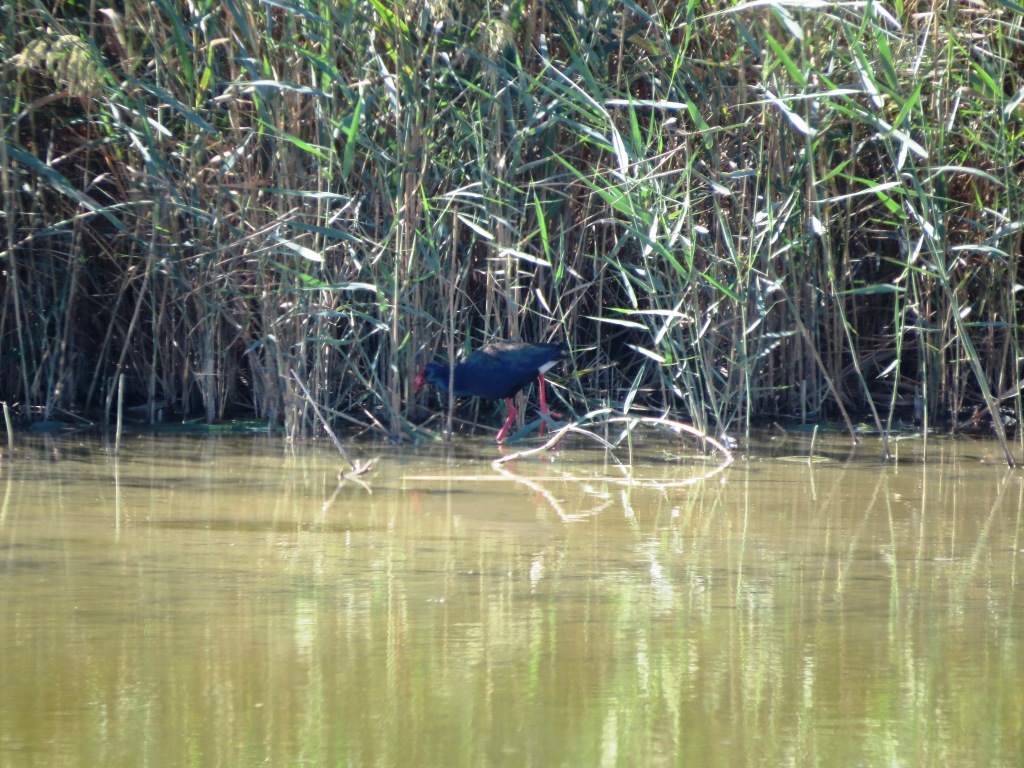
(731, 212)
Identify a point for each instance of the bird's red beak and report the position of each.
(419, 382)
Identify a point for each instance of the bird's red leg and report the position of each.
(503, 432)
(544, 410)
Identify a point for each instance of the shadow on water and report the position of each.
(224, 601)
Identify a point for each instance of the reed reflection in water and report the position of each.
(220, 602)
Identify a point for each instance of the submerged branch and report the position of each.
(631, 421)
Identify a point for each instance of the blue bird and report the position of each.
(497, 371)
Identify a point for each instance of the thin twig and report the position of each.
(358, 467)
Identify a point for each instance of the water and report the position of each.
(223, 603)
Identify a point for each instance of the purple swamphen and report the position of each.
(495, 372)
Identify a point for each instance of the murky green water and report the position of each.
(222, 603)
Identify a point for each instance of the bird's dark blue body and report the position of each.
(498, 370)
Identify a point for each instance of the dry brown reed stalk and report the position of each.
(9, 428)
(120, 415)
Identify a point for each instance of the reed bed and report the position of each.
(732, 211)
